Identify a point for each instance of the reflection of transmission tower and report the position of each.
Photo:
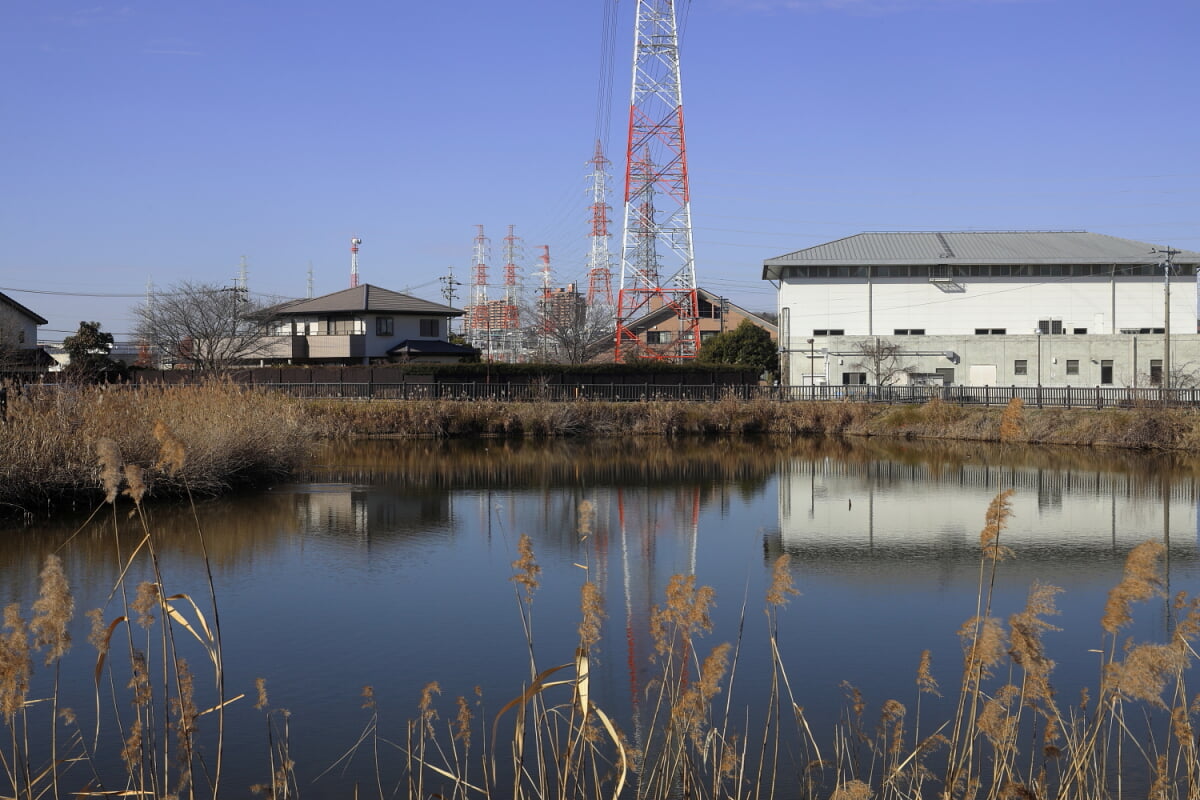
(657, 265)
(479, 323)
(600, 260)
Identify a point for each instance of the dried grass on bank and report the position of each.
(1135, 428)
(233, 436)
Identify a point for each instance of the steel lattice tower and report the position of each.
(510, 319)
(512, 249)
(657, 264)
(600, 259)
(478, 317)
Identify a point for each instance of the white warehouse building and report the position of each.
(1002, 308)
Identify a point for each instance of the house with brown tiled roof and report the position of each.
(365, 324)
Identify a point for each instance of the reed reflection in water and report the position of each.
(388, 565)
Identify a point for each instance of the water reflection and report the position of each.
(387, 564)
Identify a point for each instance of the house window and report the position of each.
(1050, 326)
(829, 332)
(1156, 371)
(1072, 366)
(430, 328)
(384, 326)
(990, 331)
(21, 337)
(1020, 367)
(1079, 331)
(1106, 372)
(854, 378)
(947, 374)
(706, 335)
(658, 337)
(909, 332)
(345, 327)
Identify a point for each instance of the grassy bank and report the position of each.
(48, 446)
(1142, 428)
(238, 436)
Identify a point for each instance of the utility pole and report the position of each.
(1166, 265)
(448, 284)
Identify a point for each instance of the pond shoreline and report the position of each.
(1139, 428)
(236, 437)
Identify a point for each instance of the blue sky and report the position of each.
(163, 140)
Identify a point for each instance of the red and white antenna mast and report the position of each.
(600, 259)
(657, 265)
(354, 243)
(479, 316)
(544, 270)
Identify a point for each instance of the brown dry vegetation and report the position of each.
(48, 450)
(1138, 428)
(236, 435)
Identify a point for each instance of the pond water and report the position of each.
(388, 565)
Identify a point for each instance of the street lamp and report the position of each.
(812, 355)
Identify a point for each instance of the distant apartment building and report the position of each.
(1020, 308)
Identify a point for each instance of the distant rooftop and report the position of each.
(975, 247)
(366, 298)
(37, 318)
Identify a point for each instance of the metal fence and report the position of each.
(1039, 397)
(1035, 396)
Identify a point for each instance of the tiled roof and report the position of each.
(976, 247)
(366, 298)
(430, 347)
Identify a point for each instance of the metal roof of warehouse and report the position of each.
(975, 247)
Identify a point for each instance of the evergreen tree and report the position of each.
(88, 349)
(747, 345)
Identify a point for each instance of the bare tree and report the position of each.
(881, 360)
(206, 326)
(574, 332)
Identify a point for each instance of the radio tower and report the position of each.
(600, 260)
(354, 243)
(546, 321)
(510, 319)
(657, 265)
(478, 317)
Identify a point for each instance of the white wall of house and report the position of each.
(887, 304)
(365, 336)
(1119, 360)
(820, 320)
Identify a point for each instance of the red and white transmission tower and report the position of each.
(600, 260)
(657, 265)
(478, 314)
(510, 319)
(354, 243)
(512, 251)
